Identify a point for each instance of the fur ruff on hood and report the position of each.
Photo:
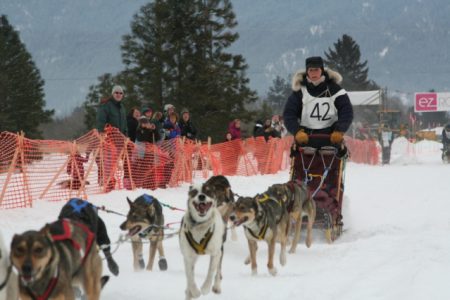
(300, 77)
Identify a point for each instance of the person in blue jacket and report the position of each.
(318, 104)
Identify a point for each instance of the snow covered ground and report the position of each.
(396, 243)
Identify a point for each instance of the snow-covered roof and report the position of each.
(365, 98)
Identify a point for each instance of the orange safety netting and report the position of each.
(32, 170)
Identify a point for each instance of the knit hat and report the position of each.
(143, 119)
(117, 88)
(147, 109)
(314, 62)
(167, 106)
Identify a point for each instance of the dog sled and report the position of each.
(320, 166)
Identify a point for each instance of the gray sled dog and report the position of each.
(264, 218)
(202, 233)
(145, 220)
(299, 203)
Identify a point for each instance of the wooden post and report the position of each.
(24, 169)
(11, 169)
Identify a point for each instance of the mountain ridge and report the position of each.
(405, 42)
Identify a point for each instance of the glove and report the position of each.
(301, 137)
(337, 137)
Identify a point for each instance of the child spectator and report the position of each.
(172, 129)
(187, 128)
(235, 129)
(132, 122)
(75, 170)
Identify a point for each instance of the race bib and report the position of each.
(318, 112)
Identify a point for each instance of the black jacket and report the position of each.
(293, 109)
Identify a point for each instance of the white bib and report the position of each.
(319, 112)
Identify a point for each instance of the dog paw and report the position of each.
(162, 263)
(292, 251)
(217, 289)
(254, 272)
(141, 264)
(205, 289)
(283, 260)
(194, 292)
(247, 260)
(273, 271)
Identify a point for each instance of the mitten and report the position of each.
(301, 137)
(337, 137)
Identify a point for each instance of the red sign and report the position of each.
(426, 102)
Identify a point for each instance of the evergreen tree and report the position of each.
(176, 52)
(278, 94)
(345, 59)
(21, 86)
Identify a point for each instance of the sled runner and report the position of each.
(321, 166)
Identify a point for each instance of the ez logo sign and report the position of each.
(425, 102)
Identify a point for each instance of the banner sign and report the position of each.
(429, 102)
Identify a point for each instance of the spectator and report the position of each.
(187, 128)
(158, 120)
(146, 131)
(172, 129)
(446, 136)
(385, 138)
(257, 129)
(168, 109)
(278, 125)
(318, 104)
(147, 112)
(228, 137)
(75, 169)
(266, 130)
(112, 112)
(132, 122)
(235, 129)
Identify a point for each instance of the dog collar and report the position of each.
(200, 247)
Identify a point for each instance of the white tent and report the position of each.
(365, 98)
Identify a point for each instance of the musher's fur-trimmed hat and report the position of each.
(314, 62)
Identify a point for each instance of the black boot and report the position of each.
(112, 265)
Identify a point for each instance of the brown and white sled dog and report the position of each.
(225, 198)
(9, 289)
(265, 219)
(298, 203)
(202, 232)
(50, 261)
(145, 220)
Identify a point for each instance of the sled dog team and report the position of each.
(62, 257)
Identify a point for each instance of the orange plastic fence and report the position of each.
(32, 170)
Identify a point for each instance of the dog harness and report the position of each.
(76, 206)
(67, 235)
(262, 232)
(266, 197)
(200, 247)
(51, 285)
